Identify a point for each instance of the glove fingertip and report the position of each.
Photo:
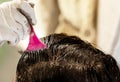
(34, 22)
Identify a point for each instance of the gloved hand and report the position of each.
(15, 17)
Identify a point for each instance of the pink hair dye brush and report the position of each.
(34, 42)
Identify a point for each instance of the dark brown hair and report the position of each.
(67, 59)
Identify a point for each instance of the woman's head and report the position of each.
(67, 59)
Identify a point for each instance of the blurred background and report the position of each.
(95, 21)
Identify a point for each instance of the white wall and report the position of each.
(108, 19)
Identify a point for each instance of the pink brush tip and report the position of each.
(34, 42)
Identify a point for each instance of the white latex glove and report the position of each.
(15, 17)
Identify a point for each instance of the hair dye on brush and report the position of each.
(67, 59)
